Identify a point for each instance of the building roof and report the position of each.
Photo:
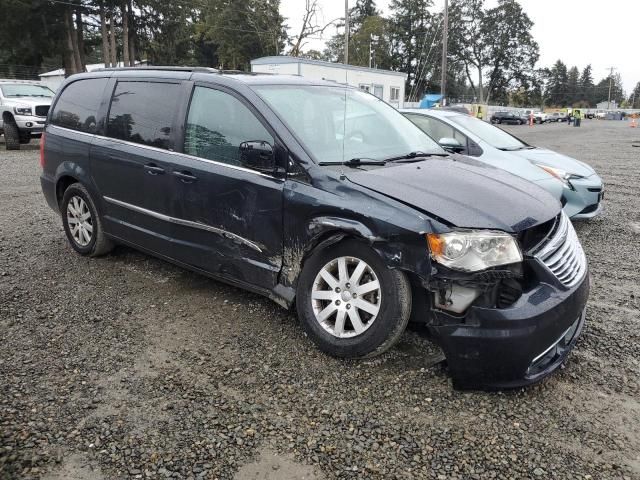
(281, 59)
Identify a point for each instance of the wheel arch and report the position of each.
(7, 117)
(63, 182)
(326, 231)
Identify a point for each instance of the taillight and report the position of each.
(42, 151)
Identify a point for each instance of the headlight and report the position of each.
(471, 251)
(560, 174)
(22, 110)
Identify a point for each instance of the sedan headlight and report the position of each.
(560, 174)
(22, 110)
(474, 250)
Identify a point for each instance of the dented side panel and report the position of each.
(331, 208)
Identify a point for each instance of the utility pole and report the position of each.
(372, 39)
(610, 84)
(346, 32)
(445, 41)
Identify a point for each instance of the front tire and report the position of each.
(11, 136)
(350, 303)
(82, 223)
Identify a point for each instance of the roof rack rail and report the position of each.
(164, 68)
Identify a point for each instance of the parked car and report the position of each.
(24, 106)
(507, 117)
(541, 117)
(601, 114)
(558, 117)
(324, 197)
(573, 182)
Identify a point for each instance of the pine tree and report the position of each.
(587, 87)
(556, 94)
(573, 86)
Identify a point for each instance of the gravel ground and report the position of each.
(126, 366)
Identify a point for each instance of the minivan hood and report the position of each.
(557, 160)
(464, 192)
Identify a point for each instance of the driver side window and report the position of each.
(217, 124)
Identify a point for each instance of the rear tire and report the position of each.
(82, 223)
(11, 136)
(361, 310)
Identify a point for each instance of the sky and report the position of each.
(608, 31)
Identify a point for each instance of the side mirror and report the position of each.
(257, 155)
(451, 145)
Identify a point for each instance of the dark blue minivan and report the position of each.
(326, 199)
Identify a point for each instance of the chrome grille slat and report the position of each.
(563, 255)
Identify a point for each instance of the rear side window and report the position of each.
(143, 112)
(77, 107)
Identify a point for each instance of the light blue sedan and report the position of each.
(574, 183)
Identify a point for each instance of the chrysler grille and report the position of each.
(562, 253)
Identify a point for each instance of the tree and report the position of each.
(617, 89)
(413, 37)
(310, 26)
(556, 93)
(587, 87)
(573, 86)
(494, 46)
(634, 98)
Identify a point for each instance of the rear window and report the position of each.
(77, 107)
(143, 112)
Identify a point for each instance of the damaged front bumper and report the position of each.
(493, 348)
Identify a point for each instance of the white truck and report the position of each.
(24, 106)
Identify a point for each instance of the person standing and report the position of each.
(577, 117)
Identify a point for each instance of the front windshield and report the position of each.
(494, 136)
(338, 124)
(25, 90)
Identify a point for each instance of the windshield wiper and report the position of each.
(356, 162)
(416, 155)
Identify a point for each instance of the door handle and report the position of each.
(153, 169)
(185, 176)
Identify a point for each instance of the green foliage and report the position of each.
(494, 47)
(634, 98)
(242, 30)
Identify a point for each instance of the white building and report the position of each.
(54, 78)
(385, 84)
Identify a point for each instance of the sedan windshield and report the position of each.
(338, 124)
(25, 90)
(494, 136)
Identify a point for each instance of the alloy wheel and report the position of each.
(79, 221)
(346, 297)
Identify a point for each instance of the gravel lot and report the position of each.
(126, 366)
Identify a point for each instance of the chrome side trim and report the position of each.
(186, 223)
(554, 344)
(166, 152)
